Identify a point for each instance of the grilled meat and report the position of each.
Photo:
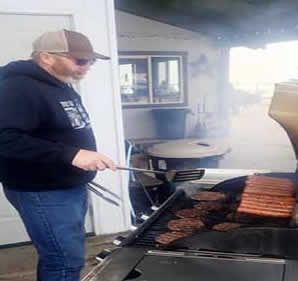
(168, 237)
(210, 206)
(226, 226)
(191, 213)
(207, 196)
(187, 225)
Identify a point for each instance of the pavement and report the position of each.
(18, 263)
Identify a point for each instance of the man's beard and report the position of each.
(66, 79)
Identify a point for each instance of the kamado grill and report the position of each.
(259, 245)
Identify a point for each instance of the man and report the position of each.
(47, 149)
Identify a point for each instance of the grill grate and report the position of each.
(159, 226)
(147, 237)
(265, 237)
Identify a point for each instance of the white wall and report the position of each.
(16, 43)
(100, 93)
(139, 34)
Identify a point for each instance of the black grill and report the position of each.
(156, 224)
(266, 253)
(268, 239)
(159, 226)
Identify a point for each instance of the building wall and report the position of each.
(248, 134)
(139, 34)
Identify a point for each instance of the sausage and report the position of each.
(273, 208)
(271, 184)
(268, 205)
(281, 189)
(268, 192)
(263, 212)
(268, 201)
(261, 188)
(269, 188)
(264, 197)
(270, 180)
(284, 185)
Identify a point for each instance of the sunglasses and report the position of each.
(79, 62)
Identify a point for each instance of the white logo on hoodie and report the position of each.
(76, 113)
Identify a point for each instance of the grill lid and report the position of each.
(283, 109)
(188, 148)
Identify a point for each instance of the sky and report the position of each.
(277, 62)
(257, 141)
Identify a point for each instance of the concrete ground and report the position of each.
(18, 263)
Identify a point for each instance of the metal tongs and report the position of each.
(171, 175)
(94, 187)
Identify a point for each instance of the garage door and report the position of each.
(20, 31)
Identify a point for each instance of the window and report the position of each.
(152, 79)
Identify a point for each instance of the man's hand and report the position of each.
(92, 161)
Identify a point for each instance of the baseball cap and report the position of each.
(65, 41)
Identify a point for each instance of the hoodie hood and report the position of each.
(43, 125)
(30, 69)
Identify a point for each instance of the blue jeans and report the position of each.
(54, 221)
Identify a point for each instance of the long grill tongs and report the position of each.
(171, 175)
(94, 187)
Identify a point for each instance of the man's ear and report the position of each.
(46, 58)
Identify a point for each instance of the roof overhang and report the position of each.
(251, 23)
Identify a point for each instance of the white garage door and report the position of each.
(20, 31)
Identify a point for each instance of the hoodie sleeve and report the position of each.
(20, 115)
